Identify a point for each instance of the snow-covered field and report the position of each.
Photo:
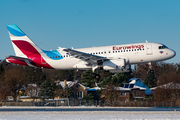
(91, 115)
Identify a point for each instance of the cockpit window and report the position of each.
(163, 47)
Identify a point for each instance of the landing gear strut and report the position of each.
(94, 75)
(150, 67)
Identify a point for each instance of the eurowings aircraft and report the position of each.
(114, 58)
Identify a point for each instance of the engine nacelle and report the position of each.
(126, 69)
(82, 65)
(114, 64)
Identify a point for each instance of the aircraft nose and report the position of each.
(172, 53)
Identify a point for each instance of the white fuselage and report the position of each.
(132, 53)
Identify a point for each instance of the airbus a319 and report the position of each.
(114, 58)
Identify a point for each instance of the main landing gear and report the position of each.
(94, 75)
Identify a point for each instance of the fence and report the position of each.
(148, 104)
(67, 102)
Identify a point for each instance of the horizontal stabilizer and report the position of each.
(20, 60)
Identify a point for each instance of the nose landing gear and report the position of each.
(150, 67)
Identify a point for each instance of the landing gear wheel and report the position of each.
(93, 75)
(98, 76)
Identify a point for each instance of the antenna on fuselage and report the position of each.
(146, 41)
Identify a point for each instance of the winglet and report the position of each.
(61, 49)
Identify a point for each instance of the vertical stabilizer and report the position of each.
(27, 52)
(22, 44)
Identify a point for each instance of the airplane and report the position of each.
(114, 58)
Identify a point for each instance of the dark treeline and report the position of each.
(15, 78)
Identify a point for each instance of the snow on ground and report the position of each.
(91, 115)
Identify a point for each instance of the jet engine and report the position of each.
(123, 70)
(114, 64)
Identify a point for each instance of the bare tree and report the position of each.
(169, 87)
(14, 80)
(33, 91)
(4, 92)
(110, 94)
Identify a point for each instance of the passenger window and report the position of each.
(101, 52)
(109, 51)
(104, 52)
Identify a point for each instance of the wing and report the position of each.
(91, 59)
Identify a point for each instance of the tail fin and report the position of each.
(22, 44)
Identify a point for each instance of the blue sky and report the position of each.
(87, 23)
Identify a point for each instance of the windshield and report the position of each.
(163, 47)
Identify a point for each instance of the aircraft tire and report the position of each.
(98, 76)
(93, 75)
